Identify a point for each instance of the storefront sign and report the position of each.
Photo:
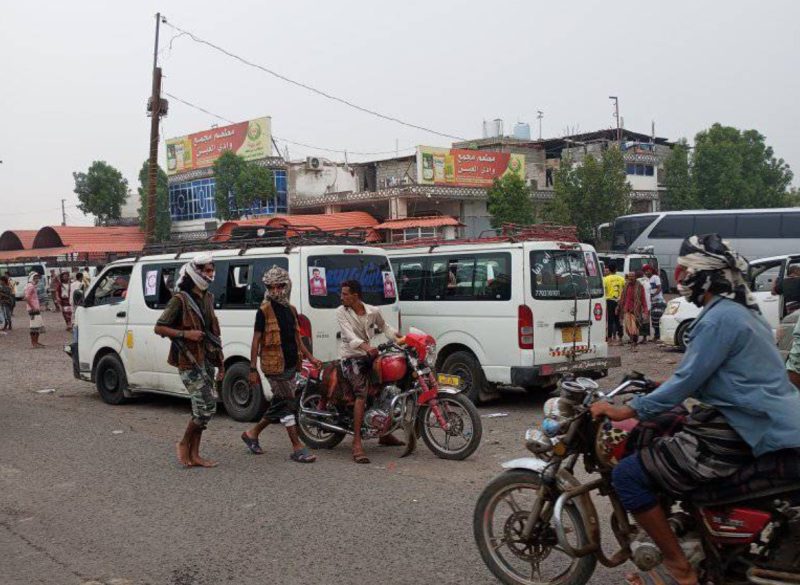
(465, 168)
(250, 140)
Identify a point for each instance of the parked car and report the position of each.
(506, 313)
(765, 275)
(117, 349)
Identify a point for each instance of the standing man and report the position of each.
(613, 284)
(657, 302)
(277, 341)
(632, 307)
(63, 298)
(52, 286)
(189, 320)
(358, 323)
(6, 302)
(34, 309)
(793, 362)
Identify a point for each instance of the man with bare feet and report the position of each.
(189, 320)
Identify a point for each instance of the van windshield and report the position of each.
(327, 273)
(563, 274)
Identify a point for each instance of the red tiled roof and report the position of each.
(331, 222)
(14, 255)
(51, 241)
(412, 222)
(17, 239)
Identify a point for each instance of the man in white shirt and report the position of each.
(358, 324)
(657, 303)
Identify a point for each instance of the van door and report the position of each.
(104, 314)
(322, 274)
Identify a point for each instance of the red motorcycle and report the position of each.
(406, 393)
(536, 523)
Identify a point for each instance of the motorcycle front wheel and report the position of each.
(312, 435)
(462, 432)
(498, 522)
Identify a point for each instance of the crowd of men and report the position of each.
(634, 305)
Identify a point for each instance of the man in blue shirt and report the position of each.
(747, 406)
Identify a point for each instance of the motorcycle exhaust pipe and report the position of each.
(322, 413)
(767, 577)
(329, 426)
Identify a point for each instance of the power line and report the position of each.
(322, 148)
(310, 88)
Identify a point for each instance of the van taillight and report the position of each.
(525, 327)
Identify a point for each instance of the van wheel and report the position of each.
(111, 380)
(681, 335)
(464, 365)
(243, 402)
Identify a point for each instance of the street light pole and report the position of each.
(616, 114)
(155, 112)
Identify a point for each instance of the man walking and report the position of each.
(34, 309)
(632, 307)
(358, 323)
(52, 286)
(613, 284)
(657, 303)
(277, 341)
(189, 320)
(6, 303)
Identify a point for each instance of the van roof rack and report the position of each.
(243, 238)
(509, 233)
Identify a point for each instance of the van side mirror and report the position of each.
(790, 288)
(77, 298)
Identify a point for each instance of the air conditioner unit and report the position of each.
(314, 163)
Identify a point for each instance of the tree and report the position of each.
(163, 221)
(591, 193)
(239, 184)
(734, 169)
(510, 201)
(680, 192)
(102, 191)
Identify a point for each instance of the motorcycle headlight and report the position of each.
(430, 355)
(672, 308)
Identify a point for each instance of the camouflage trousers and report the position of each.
(201, 393)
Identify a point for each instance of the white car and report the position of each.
(764, 273)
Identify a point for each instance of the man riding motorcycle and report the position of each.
(748, 407)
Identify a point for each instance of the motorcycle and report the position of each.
(405, 393)
(536, 523)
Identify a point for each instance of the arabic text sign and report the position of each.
(465, 168)
(250, 140)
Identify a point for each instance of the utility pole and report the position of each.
(539, 116)
(63, 213)
(616, 115)
(156, 108)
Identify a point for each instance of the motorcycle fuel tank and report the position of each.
(735, 525)
(390, 367)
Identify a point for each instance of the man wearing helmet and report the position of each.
(747, 406)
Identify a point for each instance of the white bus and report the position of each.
(19, 273)
(506, 313)
(754, 233)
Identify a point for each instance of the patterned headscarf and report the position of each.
(711, 265)
(273, 276)
(32, 275)
(192, 268)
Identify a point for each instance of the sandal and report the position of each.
(252, 444)
(360, 458)
(658, 576)
(303, 456)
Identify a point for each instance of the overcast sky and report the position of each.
(76, 76)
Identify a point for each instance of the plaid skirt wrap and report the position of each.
(683, 450)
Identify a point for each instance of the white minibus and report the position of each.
(19, 273)
(117, 349)
(506, 313)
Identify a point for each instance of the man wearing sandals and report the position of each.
(277, 341)
(358, 323)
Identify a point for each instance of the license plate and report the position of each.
(571, 334)
(448, 380)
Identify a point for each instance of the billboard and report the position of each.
(251, 140)
(465, 168)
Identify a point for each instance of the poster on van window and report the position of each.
(150, 283)
(388, 285)
(591, 267)
(317, 283)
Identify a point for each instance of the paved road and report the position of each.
(91, 493)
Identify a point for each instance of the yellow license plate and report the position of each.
(571, 334)
(448, 380)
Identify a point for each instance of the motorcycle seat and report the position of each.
(776, 473)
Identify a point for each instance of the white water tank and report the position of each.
(522, 131)
(497, 127)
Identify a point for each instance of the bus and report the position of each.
(754, 233)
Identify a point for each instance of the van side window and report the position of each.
(438, 279)
(410, 276)
(482, 277)
(158, 284)
(236, 285)
(493, 277)
(112, 287)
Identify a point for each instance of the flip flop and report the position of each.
(303, 456)
(252, 444)
(360, 458)
(658, 576)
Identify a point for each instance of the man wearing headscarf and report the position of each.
(189, 320)
(747, 407)
(278, 343)
(34, 309)
(632, 307)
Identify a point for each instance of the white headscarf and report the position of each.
(192, 268)
(32, 275)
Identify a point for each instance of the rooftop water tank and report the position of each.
(522, 131)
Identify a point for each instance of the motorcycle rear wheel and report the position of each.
(465, 422)
(494, 533)
(311, 435)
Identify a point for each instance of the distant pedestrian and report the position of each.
(632, 307)
(77, 290)
(644, 325)
(34, 309)
(657, 303)
(63, 299)
(52, 286)
(6, 303)
(613, 284)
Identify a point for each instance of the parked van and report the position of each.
(19, 273)
(625, 263)
(506, 313)
(117, 349)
